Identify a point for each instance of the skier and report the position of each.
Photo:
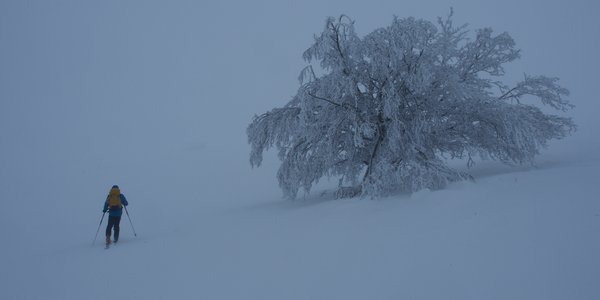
(114, 205)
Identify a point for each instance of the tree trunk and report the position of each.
(381, 135)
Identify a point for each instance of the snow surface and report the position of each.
(157, 97)
(525, 233)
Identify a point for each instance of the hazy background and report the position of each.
(156, 95)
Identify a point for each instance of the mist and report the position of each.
(155, 96)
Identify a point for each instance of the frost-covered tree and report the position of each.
(391, 107)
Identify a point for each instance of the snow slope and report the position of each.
(524, 233)
(156, 96)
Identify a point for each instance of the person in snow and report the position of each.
(114, 205)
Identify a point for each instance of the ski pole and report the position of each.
(127, 212)
(98, 228)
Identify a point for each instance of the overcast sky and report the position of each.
(159, 93)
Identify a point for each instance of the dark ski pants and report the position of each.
(113, 222)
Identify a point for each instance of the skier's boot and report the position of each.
(108, 241)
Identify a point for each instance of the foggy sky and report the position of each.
(157, 94)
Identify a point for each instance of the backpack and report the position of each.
(114, 199)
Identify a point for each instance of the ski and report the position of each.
(107, 245)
